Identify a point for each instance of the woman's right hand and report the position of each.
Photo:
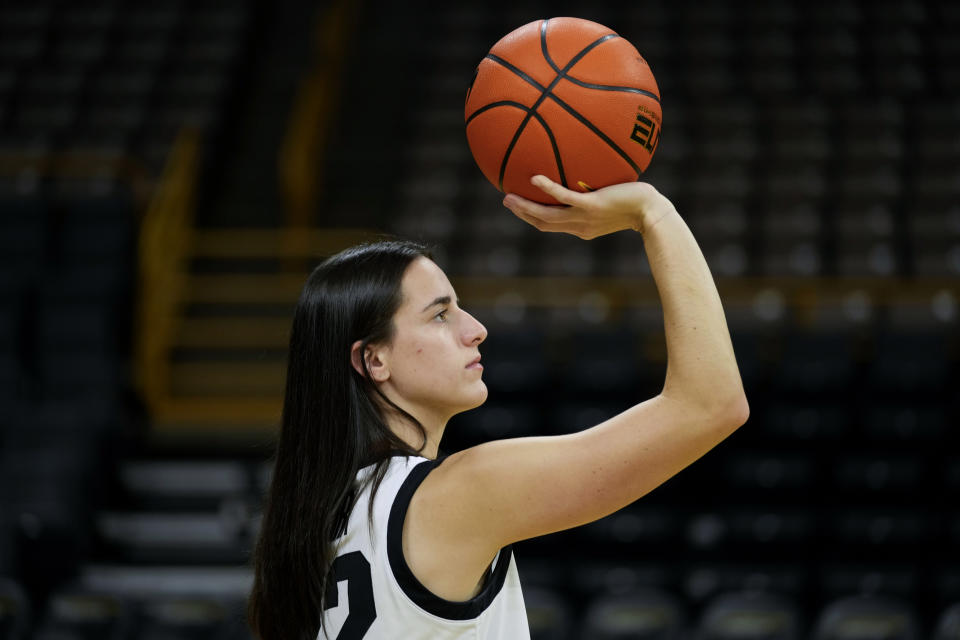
(630, 205)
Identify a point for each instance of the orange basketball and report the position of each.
(566, 98)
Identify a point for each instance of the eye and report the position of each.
(442, 313)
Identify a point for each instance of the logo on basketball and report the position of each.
(645, 130)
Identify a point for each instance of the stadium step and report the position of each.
(226, 379)
(217, 364)
(228, 332)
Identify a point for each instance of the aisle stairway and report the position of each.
(226, 356)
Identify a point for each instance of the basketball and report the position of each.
(566, 98)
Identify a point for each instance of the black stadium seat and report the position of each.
(644, 613)
(518, 360)
(911, 361)
(948, 625)
(86, 616)
(494, 421)
(747, 615)
(604, 360)
(848, 618)
(819, 424)
(634, 527)
(184, 618)
(819, 362)
(548, 614)
(16, 617)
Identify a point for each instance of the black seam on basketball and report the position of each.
(501, 103)
(575, 59)
(519, 132)
(543, 123)
(515, 70)
(556, 149)
(544, 93)
(569, 110)
(613, 145)
(543, 46)
(523, 125)
(603, 87)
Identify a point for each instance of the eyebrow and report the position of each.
(440, 300)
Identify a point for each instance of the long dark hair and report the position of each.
(331, 427)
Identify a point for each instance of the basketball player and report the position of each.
(366, 532)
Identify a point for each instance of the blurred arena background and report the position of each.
(170, 171)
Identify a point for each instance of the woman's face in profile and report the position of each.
(434, 343)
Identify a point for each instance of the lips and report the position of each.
(474, 361)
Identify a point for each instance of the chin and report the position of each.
(479, 399)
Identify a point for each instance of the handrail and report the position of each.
(300, 164)
(165, 239)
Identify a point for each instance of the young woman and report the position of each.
(366, 534)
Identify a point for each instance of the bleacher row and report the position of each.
(788, 143)
(632, 612)
(771, 214)
(113, 79)
(172, 567)
(819, 496)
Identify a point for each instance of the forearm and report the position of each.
(701, 366)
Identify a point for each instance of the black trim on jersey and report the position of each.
(420, 595)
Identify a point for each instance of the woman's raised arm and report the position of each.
(499, 492)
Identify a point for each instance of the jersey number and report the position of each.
(355, 569)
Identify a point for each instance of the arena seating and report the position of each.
(90, 98)
(799, 142)
(803, 143)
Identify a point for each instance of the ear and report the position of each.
(376, 364)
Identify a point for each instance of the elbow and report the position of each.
(724, 405)
(741, 411)
(731, 411)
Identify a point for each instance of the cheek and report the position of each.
(425, 363)
(417, 360)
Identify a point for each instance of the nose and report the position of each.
(475, 331)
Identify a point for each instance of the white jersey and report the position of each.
(375, 595)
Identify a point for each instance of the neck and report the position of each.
(433, 423)
(409, 434)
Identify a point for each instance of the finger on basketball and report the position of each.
(545, 213)
(532, 221)
(557, 191)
